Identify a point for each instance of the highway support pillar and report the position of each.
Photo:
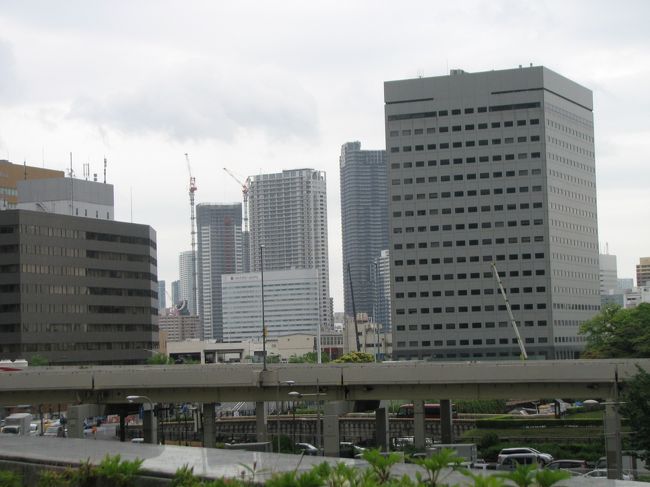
(122, 426)
(331, 436)
(261, 421)
(76, 416)
(446, 422)
(209, 426)
(382, 430)
(418, 425)
(613, 440)
(149, 424)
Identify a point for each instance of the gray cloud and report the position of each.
(8, 79)
(199, 104)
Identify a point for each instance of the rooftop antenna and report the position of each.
(25, 167)
(607, 248)
(71, 173)
(86, 169)
(104, 170)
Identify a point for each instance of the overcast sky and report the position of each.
(265, 86)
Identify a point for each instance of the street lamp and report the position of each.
(277, 400)
(263, 323)
(299, 395)
(140, 399)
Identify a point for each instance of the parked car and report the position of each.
(347, 449)
(307, 449)
(510, 462)
(57, 430)
(573, 466)
(543, 458)
(602, 473)
(10, 429)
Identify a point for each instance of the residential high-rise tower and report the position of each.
(288, 215)
(494, 167)
(186, 286)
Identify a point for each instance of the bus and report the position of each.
(430, 411)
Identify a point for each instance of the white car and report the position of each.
(601, 473)
(544, 458)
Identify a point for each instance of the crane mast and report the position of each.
(192, 190)
(244, 192)
(524, 355)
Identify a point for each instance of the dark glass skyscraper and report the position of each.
(219, 230)
(364, 220)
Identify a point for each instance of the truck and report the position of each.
(18, 424)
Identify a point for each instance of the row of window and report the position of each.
(109, 237)
(571, 179)
(473, 258)
(551, 156)
(485, 241)
(470, 226)
(468, 126)
(576, 306)
(572, 210)
(572, 194)
(470, 193)
(574, 226)
(459, 160)
(466, 111)
(41, 327)
(569, 146)
(462, 176)
(576, 259)
(85, 346)
(469, 309)
(465, 326)
(473, 292)
(467, 342)
(120, 256)
(468, 143)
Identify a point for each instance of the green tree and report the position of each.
(38, 361)
(522, 476)
(636, 407)
(159, 359)
(618, 333)
(355, 357)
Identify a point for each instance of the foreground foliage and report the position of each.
(636, 407)
(113, 471)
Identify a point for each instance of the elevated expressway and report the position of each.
(337, 382)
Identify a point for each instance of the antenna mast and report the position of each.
(104, 170)
(192, 190)
(524, 355)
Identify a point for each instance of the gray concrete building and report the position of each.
(220, 251)
(364, 221)
(67, 196)
(491, 167)
(77, 290)
(608, 273)
(288, 215)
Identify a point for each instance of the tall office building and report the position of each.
(77, 290)
(491, 167)
(364, 220)
(290, 304)
(288, 215)
(380, 281)
(186, 287)
(607, 272)
(643, 272)
(176, 292)
(220, 251)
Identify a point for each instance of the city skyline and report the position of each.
(175, 98)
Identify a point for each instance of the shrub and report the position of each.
(10, 479)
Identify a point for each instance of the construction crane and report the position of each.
(524, 355)
(244, 192)
(192, 190)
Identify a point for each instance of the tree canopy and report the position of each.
(636, 407)
(355, 357)
(618, 333)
